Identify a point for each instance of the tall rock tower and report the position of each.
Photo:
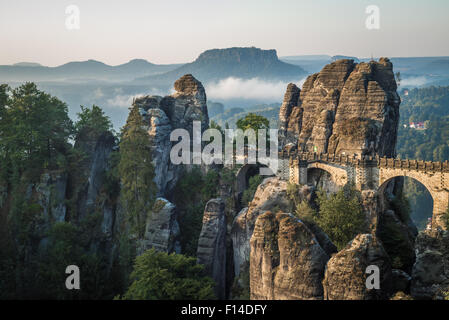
(346, 108)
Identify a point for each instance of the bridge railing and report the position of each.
(360, 160)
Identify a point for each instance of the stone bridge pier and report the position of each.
(371, 176)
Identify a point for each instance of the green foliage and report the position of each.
(305, 212)
(35, 250)
(232, 115)
(34, 130)
(191, 194)
(429, 105)
(94, 119)
(420, 202)
(136, 171)
(253, 121)
(162, 276)
(341, 215)
(248, 194)
(401, 207)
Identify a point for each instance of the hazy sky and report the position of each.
(172, 31)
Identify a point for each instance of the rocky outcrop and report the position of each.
(345, 108)
(430, 275)
(212, 244)
(161, 229)
(345, 277)
(165, 114)
(86, 182)
(400, 281)
(288, 133)
(397, 239)
(51, 191)
(287, 262)
(270, 195)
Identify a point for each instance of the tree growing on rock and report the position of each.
(136, 171)
(341, 215)
(94, 119)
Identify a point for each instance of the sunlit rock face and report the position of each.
(287, 261)
(345, 108)
(345, 277)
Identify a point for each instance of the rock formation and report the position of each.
(212, 244)
(165, 114)
(270, 195)
(345, 277)
(345, 108)
(287, 262)
(430, 275)
(51, 196)
(161, 228)
(87, 180)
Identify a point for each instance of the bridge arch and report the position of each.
(432, 181)
(338, 175)
(244, 174)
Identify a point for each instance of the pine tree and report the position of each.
(35, 129)
(136, 171)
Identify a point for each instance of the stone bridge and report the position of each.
(371, 173)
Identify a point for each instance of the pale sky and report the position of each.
(176, 31)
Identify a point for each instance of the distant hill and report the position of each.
(314, 63)
(230, 116)
(421, 71)
(27, 64)
(243, 63)
(81, 71)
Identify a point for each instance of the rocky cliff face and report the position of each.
(430, 275)
(165, 114)
(86, 181)
(287, 262)
(345, 277)
(345, 108)
(270, 194)
(212, 244)
(161, 229)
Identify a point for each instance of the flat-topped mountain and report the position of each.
(245, 63)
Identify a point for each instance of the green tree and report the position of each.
(162, 276)
(305, 212)
(248, 194)
(253, 121)
(35, 129)
(136, 171)
(191, 194)
(341, 215)
(93, 118)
